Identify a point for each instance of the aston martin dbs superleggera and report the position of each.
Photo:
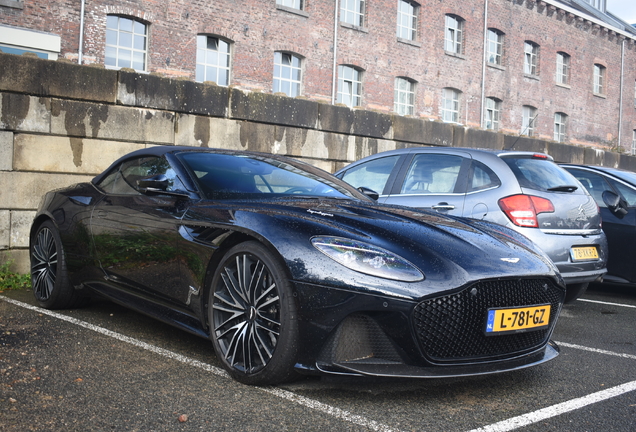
(289, 270)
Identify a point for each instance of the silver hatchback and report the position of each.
(525, 191)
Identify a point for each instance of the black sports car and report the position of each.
(289, 270)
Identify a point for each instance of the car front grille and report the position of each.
(451, 328)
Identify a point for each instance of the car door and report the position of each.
(136, 234)
(375, 174)
(620, 231)
(434, 181)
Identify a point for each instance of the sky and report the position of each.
(624, 9)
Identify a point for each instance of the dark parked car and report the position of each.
(525, 191)
(615, 192)
(288, 269)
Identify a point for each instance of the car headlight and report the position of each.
(366, 258)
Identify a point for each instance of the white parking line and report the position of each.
(596, 350)
(284, 394)
(555, 410)
(607, 303)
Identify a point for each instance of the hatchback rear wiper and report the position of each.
(564, 188)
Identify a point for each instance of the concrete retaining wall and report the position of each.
(61, 123)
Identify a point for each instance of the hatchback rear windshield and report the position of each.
(539, 174)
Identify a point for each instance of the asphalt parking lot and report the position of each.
(104, 367)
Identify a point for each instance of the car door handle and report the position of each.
(443, 206)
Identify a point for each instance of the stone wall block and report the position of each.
(335, 118)
(5, 229)
(420, 131)
(21, 112)
(372, 124)
(67, 80)
(56, 154)
(483, 139)
(152, 91)
(565, 153)
(273, 108)
(32, 186)
(627, 162)
(83, 119)
(6, 151)
(20, 228)
(523, 143)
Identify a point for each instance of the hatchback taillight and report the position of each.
(522, 210)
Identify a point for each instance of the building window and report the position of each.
(454, 34)
(563, 68)
(492, 114)
(294, 4)
(450, 105)
(213, 60)
(560, 126)
(14, 40)
(495, 46)
(126, 43)
(531, 58)
(352, 12)
(287, 74)
(407, 20)
(528, 120)
(404, 96)
(598, 4)
(349, 86)
(599, 79)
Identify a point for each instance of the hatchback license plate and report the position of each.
(584, 253)
(517, 319)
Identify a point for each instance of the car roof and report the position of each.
(624, 175)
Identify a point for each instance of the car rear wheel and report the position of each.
(253, 316)
(49, 277)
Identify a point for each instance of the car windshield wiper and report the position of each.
(564, 188)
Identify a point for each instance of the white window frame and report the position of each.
(454, 34)
(407, 20)
(492, 114)
(292, 4)
(18, 41)
(213, 64)
(450, 105)
(560, 126)
(349, 86)
(352, 12)
(287, 73)
(121, 41)
(530, 58)
(404, 92)
(563, 68)
(495, 46)
(600, 73)
(528, 120)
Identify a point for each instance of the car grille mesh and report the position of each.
(451, 328)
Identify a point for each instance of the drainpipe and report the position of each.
(620, 98)
(483, 67)
(81, 34)
(334, 77)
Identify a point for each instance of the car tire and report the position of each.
(574, 291)
(49, 277)
(252, 313)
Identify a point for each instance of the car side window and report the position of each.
(372, 174)
(626, 192)
(594, 183)
(432, 174)
(482, 178)
(123, 179)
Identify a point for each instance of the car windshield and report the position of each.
(232, 176)
(539, 173)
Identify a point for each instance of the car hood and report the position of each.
(450, 251)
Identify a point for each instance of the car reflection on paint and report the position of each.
(288, 270)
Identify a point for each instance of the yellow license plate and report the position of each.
(517, 319)
(584, 253)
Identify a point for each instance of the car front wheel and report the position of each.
(253, 316)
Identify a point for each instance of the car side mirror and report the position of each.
(615, 203)
(369, 192)
(158, 184)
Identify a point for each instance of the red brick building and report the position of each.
(555, 69)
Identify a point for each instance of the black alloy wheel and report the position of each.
(49, 277)
(252, 316)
